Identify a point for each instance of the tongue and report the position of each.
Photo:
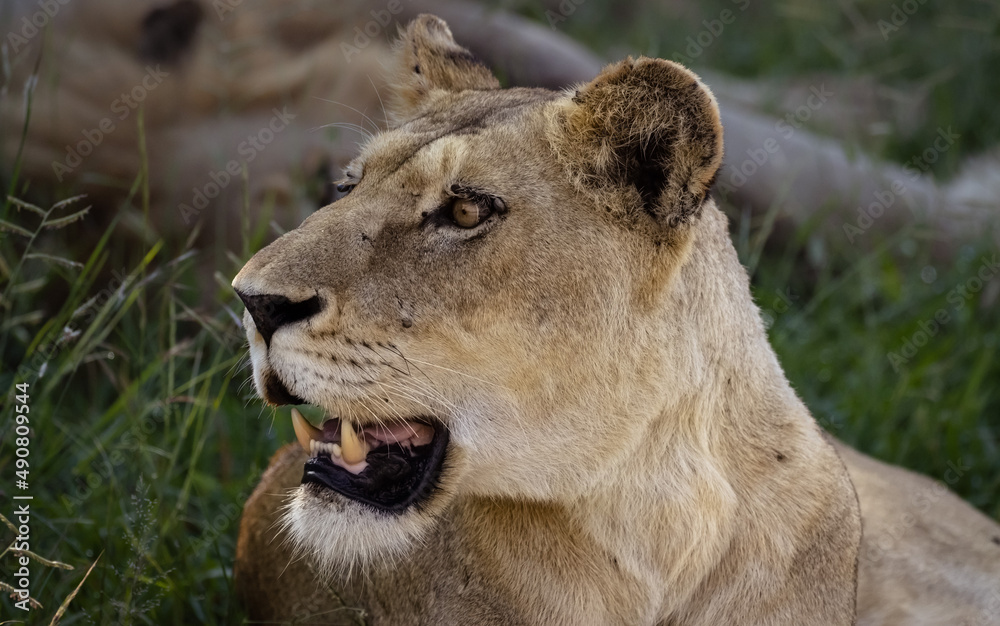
(404, 433)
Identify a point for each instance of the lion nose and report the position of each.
(271, 312)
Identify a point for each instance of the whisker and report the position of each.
(379, 96)
(416, 386)
(454, 371)
(405, 360)
(356, 128)
(406, 392)
(361, 113)
(386, 363)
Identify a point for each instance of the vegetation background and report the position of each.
(147, 437)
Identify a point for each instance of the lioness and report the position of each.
(550, 397)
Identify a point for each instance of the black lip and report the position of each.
(277, 393)
(395, 479)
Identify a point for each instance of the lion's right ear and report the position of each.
(643, 138)
(428, 65)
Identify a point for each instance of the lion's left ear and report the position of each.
(429, 64)
(645, 139)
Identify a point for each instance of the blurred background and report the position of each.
(147, 149)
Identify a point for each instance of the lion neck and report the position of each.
(701, 478)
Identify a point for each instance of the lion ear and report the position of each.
(648, 131)
(428, 64)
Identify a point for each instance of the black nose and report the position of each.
(271, 312)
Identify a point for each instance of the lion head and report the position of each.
(482, 314)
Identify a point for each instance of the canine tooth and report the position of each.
(305, 432)
(353, 449)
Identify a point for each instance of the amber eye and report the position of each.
(468, 213)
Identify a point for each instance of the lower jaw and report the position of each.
(392, 481)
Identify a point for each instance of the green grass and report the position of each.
(837, 331)
(147, 439)
(142, 447)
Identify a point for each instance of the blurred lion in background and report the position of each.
(250, 108)
(236, 101)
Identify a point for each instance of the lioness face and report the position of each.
(447, 312)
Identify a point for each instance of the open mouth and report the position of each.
(389, 466)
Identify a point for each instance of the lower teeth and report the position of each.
(316, 447)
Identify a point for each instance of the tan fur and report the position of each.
(928, 558)
(625, 448)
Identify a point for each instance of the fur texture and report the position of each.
(625, 448)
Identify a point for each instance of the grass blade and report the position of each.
(21, 204)
(58, 260)
(14, 228)
(65, 221)
(65, 604)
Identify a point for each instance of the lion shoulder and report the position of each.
(927, 557)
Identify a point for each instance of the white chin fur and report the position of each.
(342, 536)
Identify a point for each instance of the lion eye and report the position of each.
(468, 213)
